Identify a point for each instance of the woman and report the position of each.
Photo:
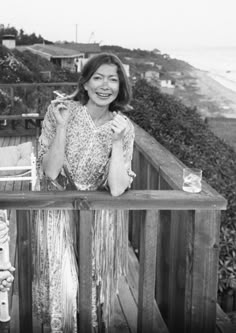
(86, 144)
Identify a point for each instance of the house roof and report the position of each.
(81, 47)
(53, 51)
(70, 50)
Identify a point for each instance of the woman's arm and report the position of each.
(118, 177)
(53, 158)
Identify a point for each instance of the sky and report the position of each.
(147, 24)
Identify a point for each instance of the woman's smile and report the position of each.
(103, 95)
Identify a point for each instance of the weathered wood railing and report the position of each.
(175, 234)
(188, 241)
(153, 202)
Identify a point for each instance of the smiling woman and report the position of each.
(86, 144)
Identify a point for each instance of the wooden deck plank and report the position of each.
(128, 305)
(133, 277)
(118, 322)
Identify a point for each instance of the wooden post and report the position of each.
(147, 271)
(25, 270)
(180, 250)
(85, 271)
(134, 225)
(203, 268)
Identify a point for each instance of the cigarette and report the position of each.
(58, 94)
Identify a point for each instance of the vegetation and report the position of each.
(181, 130)
(21, 37)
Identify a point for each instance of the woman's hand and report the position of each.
(6, 279)
(119, 126)
(61, 112)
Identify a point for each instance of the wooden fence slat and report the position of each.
(25, 270)
(204, 272)
(147, 271)
(85, 271)
(179, 275)
(135, 218)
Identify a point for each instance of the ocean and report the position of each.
(219, 62)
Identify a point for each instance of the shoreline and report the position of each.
(210, 97)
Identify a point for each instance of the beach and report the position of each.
(200, 90)
(221, 101)
(212, 100)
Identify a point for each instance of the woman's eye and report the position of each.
(96, 77)
(114, 79)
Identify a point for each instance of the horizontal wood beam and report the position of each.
(131, 200)
(37, 84)
(23, 116)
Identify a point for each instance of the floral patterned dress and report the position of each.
(86, 165)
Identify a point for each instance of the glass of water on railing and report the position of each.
(192, 180)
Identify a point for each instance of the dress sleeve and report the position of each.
(128, 146)
(47, 135)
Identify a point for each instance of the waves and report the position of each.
(228, 80)
(219, 62)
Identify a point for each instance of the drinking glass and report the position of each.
(192, 180)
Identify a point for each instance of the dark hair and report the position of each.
(124, 95)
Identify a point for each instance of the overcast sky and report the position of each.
(147, 24)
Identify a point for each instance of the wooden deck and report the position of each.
(125, 315)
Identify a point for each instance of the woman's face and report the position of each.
(103, 86)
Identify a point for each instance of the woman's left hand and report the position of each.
(6, 279)
(119, 126)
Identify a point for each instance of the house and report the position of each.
(70, 56)
(175, 73)
(150, 63)
(9, 41)
(166, 83)
(152, 77)
(166, 56)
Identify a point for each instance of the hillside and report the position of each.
(143, 60)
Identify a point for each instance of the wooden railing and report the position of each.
(188, 240)
(189, 293)
(175, 235)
